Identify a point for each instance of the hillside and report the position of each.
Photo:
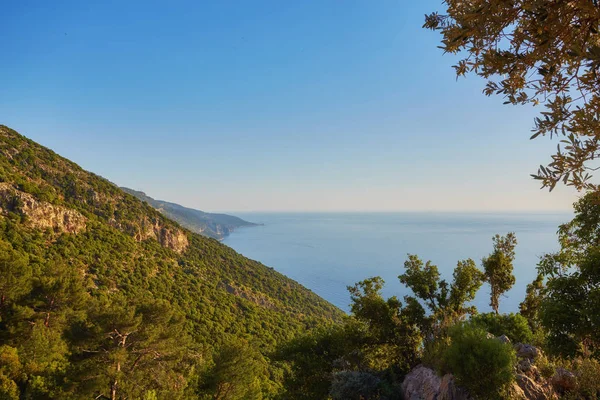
(208, 224)
(100, 292)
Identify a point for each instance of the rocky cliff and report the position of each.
(39, 214)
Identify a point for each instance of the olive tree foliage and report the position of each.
(536, 52)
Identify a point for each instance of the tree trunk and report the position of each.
(113, 386)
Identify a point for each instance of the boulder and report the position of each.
(503, 339)
(563, 380)
(516, 393)
(534, 390)
(525, 365)
(527, 351)
(421, 383)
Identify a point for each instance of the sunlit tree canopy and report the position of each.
(540, 52)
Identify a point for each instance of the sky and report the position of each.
(268, 106)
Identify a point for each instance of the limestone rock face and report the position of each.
(534, 390)
(421, 383)
(516, 393)
(39, 214)
(171, 238)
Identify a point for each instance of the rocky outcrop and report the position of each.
(564, 380)
(171, 238)
(529, 379)
(168, 236)
(527, 351)
(39, 214)
(245, 293)
(534, 390)
(421, 383)
(503, 339)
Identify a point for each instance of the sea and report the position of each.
(327, 252)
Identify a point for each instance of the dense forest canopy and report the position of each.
(101, 295)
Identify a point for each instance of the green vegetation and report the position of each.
(498, 268)
(369, 355)
(101, 295)
(569, 307)
(484, 366)
(515, 326)
(446, 304)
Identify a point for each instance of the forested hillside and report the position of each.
(208, 224)
(101, 296)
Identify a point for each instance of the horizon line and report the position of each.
(520, 211)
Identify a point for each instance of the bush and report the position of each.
(545, 366)
(483, 366)
(433, 354)
(354, 385)
(515, 326)
(588, 378)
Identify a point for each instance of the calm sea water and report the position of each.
(326, 252)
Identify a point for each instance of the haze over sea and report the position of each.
(328, 251)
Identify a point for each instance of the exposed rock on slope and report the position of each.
(39, 214)
(153, 228)
(422, 383)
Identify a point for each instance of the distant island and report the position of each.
(216, 226)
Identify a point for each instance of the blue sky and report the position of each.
(267, 105)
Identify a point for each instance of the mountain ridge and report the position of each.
(215, 225)
(92, 261)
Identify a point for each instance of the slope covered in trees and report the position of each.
(208, 224)
(101, 296)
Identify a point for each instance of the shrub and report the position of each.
(515, 326)
(588, 377)
(354, 385)
(483, 366)
(545, 366)
(433, 354)
(587, 371)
